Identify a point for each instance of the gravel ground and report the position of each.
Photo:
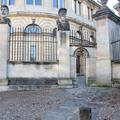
(28, 105)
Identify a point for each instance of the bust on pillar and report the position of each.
(63, 27)
(62, 22)
(4, 14)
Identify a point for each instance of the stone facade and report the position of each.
(98, 58)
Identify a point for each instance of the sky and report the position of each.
(111, 3)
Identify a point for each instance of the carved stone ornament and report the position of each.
(62, 22)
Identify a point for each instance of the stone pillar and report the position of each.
(103, 51)
(4, 37)
(64, 59)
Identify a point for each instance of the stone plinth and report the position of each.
(64, 58)
(4, 37)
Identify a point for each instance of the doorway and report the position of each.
(81, 62)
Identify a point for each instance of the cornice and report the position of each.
(53, 16)
(105, 12)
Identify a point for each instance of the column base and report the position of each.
(65, 83)
(3, 82)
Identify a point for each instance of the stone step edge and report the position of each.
(31, 87)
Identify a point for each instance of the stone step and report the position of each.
(30, 87)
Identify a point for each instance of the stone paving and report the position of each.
(60, 104)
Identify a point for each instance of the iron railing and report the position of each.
(75, 40)
(31, 46)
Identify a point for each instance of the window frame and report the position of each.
(28, 27)
(34, 2)
(38, 4)
(11, 3)
(30, 3)
(59, 3)
(3, 2)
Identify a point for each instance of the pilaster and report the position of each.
(64, 78)
(4, 37)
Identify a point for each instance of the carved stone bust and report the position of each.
(4, 12)
(62, 22)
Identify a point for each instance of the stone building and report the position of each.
(34, 52)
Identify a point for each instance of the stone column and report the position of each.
(64, 59)
(103, 51)
(4, 37)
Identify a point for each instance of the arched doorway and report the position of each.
(81, 56)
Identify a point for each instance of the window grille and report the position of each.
(32, 45)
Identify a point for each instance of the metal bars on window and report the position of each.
(32, 47)
(75, 39)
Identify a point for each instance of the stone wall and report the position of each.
(108, 31)
(63, 71)
(114, 32)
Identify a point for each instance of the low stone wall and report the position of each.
(116, 73)
(32, 71)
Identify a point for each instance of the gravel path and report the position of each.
(28, 105)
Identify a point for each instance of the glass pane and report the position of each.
(11, 2)
(4, 2)
(33, 53)
(30, 2)
(55, 3)
(62, 3)
(38, 2)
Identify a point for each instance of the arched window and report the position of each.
(3, 2)
(33, 28)
(11, 2)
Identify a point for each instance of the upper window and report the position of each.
(29, 2)
(62, 3)
(4, 2)
(11, 2)
(38, 2)
(58, 3)
(55, 3)
(34, 2)
(79, 5)
(75, 5)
